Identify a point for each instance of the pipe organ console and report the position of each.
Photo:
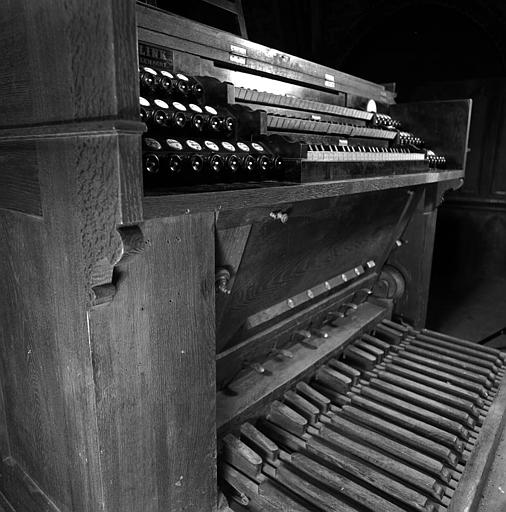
(215, 261)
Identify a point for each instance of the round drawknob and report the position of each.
(147, 80)
(264, 162)
(182, 87)
(249, 163)
(216, 163)
(229, 124)
(174, 164)
(198, 122)
(197, 90)
(160, 117)
(151, 164)
(215, 123)
(164, 83)
(196, 163)
(233, 163)
(179, 120)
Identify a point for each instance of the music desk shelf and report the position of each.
(174, 204)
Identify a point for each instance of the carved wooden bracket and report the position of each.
(129, 242)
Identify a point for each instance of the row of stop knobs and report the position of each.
(215, 166)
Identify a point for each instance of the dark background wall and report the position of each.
(432, 49)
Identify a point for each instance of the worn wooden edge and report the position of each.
(20, 491)
(469, 490)
(72, 129)
(157, 206)
(257, 390)
(5, 504)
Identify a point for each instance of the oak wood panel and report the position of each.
(69, 294)
(67, 60)
(179, 204)
(154, 372)
(49, 264)
(34, 401)
(19, 181)
(281, 260)
(443, 125)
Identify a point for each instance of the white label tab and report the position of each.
(237, 59)
(329, 83)
(329, 78)
(238, 49)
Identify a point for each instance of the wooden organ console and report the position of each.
(208, 299)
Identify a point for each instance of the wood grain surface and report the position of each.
(19, 180)
(154, 372)
(179, 204)
(67, 61)
(320, 240)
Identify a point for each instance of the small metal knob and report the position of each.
(319, 333)
(221, 281)
(281, 352)
(279, 215)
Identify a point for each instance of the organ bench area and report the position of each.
(215, 262)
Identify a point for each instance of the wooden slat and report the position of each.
(156, 206)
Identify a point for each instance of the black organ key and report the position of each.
(387, 334)
(332, 379)
(456, 415)
(388, 464)
(342, 485)
(365, 473)
(241, 456)
(404, 435)
(430, 392)
(260, 443)
(345, 369)
(445, 367)
(311, 394)
(432, 433)
(465, 343)
(361, 358)
(335, 396)
(302, 406)
(444, 376)
(436, 384)
(385, 443)
(456, 363)
(459, 350)
(414, 405)
(372, 349)
(310, 492)
(383, 345)
(396, 326)
(285, 417)
(263, 497)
